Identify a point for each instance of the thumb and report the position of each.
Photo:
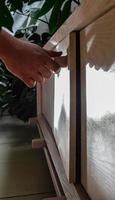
(53, 53)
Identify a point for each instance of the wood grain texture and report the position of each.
(88, 12)
(69, 188)
(98, 107)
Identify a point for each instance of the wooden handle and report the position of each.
(62, 61)
(38, 143)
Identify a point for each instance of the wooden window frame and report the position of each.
(87, 13)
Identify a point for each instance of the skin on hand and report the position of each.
(29, 62)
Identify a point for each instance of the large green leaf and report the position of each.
(66, 11)
(55, 16)
(6, 19)
(48, 4)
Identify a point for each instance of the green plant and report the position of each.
(15, 96)
(60, 11)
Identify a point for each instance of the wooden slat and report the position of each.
(39, 98)
(38, 143)
(32, 120)
(72, 54)
(65, 130)
(54, 176)
(98, 107)
(55, 179)
(89, 11)
(69, 189)
(48, 101)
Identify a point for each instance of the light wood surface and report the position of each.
(85, 14)
(39, 98)
(65, 108)
(38, 143)
(69, 188)
(48, 101)
(92, 39)
(55, 179)
(53, 173)
(32, 120)
(98, 107)
(60, 110)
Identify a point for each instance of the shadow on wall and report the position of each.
(100, 48)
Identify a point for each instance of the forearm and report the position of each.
(6, 43)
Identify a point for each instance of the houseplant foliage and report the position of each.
(15, 96)
(60, 11)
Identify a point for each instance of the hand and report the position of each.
(29, 62)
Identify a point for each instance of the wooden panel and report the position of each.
(38, 143)
(48, 101)
(69, 189)
(55, 178)
(60, 110)
(88, 12)
(65, 109)
(39, 98)
(47, 90)
(98, 107)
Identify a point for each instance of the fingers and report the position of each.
(62, 61)
(53, 65)
(38, 77)
(45, 72)
(29, 82)
(45, 60)
(53, 53)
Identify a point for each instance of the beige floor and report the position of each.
(23, 172)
